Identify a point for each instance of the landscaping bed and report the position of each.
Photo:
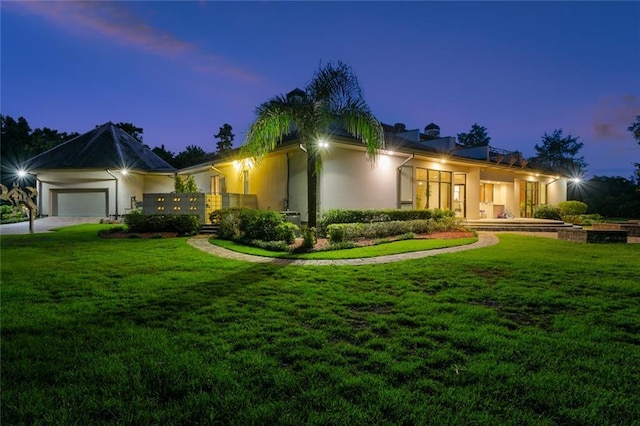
(323, 243)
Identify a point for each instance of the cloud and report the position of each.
(612, 117)
(114, 21)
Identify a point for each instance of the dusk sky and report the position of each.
(180, 70)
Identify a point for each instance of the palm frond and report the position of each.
(275, 119)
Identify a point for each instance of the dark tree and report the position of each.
(477, 136)
(133, 130)
(166, 155)
(559, 153)
(130, 128)
(635, 131)
(191, 155)
(226, 138)
(46, 138)
(19, 143)
(610, 196)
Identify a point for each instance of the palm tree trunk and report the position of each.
(312, 189)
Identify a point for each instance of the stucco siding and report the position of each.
(349, 181)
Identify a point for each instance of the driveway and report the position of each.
(45, 224)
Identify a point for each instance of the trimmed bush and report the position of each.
(340, 232)
(547, 212)
(286, 231)
(309, 238)
(182, 224)
(572, 208)
(381, 215)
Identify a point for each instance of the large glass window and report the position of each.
(433, 189)
(486, 192)
(529, 193)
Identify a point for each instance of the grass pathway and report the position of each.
(485, 239)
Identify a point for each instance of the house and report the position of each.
(415, 170)
(106, 173)
(102, 173)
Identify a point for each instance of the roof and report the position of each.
(106, 146)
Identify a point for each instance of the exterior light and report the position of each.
(443, 161)
(22, 173)
(576, 180)
(322, 143)
(124, 172)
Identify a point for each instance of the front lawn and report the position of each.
(135, 331)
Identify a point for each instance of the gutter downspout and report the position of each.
(407, 160)
(398, 189)
(115, 179)
(546, 190)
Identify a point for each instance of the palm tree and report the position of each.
(332, 98)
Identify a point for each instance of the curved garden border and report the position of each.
(485, 239)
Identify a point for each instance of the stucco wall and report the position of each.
(349, 181)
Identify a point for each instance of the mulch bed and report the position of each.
(323, 242)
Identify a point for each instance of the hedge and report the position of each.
(335, 216)
(339, 232)
(182, 224)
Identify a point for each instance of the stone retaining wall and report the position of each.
(593, 235)
(632, 228)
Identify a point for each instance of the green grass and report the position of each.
(130, 331)
(396, 247)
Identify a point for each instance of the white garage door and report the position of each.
(81, 204)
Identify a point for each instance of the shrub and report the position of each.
(309, 238)
(335, 216)
(547, 212)
(242, 224)
(575, 219)
(182, 224)
(259, 224)
(9, 214)
(286, 231)
(572, 208)
(353, 231)
(228, 221)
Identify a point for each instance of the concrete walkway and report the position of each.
(201, 242)
(45, 224)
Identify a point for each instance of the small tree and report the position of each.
(186, 185)
(477, 136)
(226, 138)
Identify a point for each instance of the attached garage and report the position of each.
(80, 203)
(98, 174)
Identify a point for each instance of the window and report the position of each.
(433, 189)
(486, 192)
